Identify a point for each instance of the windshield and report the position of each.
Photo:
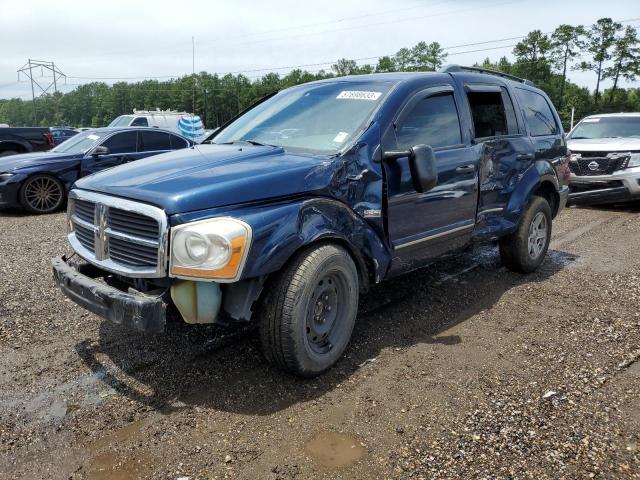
(79, 143)
(607, 127)
(121, 121)
(319, 118)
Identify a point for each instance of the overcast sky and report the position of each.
(136, 39)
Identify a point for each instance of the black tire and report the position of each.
(42, 194)
(6, 153)
(517, 252)
(309, 310)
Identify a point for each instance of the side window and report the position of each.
(537, 113)
(154, 141)
(492, 113)
(140, 122)
(124, 142)
(177, 142)
(432, 121)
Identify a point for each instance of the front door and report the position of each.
(422, 226)
(123, 148)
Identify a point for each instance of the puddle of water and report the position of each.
(53, 404)
(108, 467)
(333, 450)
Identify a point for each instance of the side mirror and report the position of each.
(422, 163)
(100, 150)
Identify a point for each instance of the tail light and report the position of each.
(49, 138)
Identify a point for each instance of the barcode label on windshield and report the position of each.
(359, 95)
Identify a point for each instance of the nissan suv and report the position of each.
(605, 159)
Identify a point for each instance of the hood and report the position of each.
(209, 176)
(26, 160)
(604, 144)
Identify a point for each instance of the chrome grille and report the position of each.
(133, 223)
(118, 235)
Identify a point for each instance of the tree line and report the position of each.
(606, 49)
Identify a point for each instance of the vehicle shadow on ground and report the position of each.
(629, 207)
(224, 370)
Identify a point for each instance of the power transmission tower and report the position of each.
(54, 75)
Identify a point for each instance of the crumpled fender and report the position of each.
(541, 171)
(279, 231)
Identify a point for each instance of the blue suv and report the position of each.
(302, 202)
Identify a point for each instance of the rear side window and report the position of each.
(432, 121)
(492, 113)
(154, 141)
(177, 142)
(140, 122)
(125, 142)
(537, 113)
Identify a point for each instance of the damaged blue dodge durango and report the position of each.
(303, 201)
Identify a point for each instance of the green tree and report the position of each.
(385, 64)
(532, 57)
(402, 59)
(565, 46)
(344, 67)
(600, 38)
(427, 57)
(625, 59)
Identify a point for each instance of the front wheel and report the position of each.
(309, 311)
(525, 249)
(42, 194)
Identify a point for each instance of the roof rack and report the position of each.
(460, 68)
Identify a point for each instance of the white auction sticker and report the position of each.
(93, 137)
(340, 137)
(591, 120)
(359, 95)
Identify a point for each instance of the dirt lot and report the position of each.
(477, 372)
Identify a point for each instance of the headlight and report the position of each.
(634, 160)
(576, 156)
(213, 249)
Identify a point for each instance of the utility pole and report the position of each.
(44, 87)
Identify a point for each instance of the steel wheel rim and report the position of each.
(537, 239)
(43, 194)
(325, 308)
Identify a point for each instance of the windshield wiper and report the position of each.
(250, 142)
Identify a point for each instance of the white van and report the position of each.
(186, 124)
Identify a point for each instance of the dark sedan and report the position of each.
(39, 182)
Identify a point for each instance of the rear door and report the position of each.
(153, 142)
(123, 148)
(542, 124)
(504, 149)
(424, 225)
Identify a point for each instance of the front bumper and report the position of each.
(620, 186)
(134, 310)
(9, 195)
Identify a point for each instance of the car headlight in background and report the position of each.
(213, 249)
(634, 160)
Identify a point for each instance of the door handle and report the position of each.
(466, 169)
(525, 156)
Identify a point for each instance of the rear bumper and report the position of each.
(134, 310)
(620, 186)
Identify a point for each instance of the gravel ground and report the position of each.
(462, 370)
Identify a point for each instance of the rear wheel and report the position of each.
(525, 249)
(42, 194)
(309, 311)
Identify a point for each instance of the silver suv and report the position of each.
(605, 159)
